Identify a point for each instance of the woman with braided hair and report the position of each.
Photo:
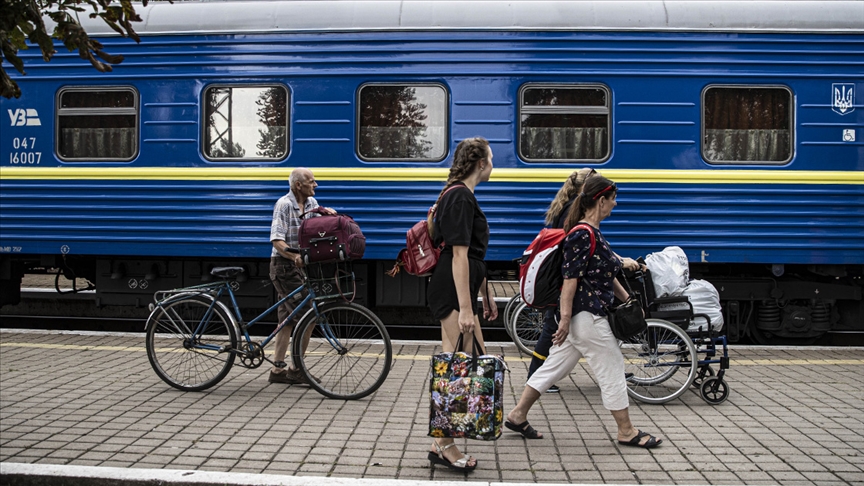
(460, 275)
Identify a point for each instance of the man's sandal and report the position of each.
(457, 465)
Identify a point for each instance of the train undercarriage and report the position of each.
(762, 304)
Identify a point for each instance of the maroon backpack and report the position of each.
(330, 237)
(420, 255)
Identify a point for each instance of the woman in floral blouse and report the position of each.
(583, 329)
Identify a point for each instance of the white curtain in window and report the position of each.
(97, 143)
(564, 143)
(747, 145)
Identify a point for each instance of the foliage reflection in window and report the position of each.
(564, 123)
(403, 122)
(246, 122)
(744, 124)
(97, 124)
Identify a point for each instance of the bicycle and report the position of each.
(508, 310)
(193, 337)
(525, 326)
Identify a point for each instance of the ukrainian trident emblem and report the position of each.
(843, 98)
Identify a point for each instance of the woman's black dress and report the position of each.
(458, 221)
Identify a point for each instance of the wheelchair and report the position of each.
(677, 350)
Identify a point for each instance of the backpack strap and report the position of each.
(590, 251)
(435, 206)
(585, 280)
(590, 232)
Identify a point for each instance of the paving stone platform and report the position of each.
(90, 401)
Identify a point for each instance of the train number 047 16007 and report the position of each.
(24, 153)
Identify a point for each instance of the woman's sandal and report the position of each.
(457, 465)
(635, 441)
(524, 428)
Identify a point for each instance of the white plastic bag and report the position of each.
(705, 300)
(670, 271)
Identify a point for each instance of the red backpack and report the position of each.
(330, 237)
(420, 255)
(540, 278)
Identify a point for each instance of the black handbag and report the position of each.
(626, 320)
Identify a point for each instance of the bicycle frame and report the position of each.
(222, 288)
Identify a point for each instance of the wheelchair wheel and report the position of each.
(714, 390)
(662, 360)
(526, 324)
(705, 371)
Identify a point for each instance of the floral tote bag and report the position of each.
(466, 394)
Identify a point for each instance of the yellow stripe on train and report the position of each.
(414, 174)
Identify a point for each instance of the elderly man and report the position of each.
(285, 265)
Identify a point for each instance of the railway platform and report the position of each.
(86, 408)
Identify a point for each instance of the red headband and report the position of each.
(604, 190)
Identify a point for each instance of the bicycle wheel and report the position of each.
(662, 360)
(526, 324)
(348, 354)
(189, 343)
(508, 312)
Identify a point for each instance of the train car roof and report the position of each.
(259, 16)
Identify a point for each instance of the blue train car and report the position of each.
(734, 129)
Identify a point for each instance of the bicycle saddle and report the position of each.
(226, 272)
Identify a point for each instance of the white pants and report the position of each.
(591, 337)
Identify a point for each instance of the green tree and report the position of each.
(272, 113)
(227, 150)
(394, 122)
(21, 21)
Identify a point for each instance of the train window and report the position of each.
(747, 125)
(97, 124)
(245, 122)
(399, 122)
(564, 123)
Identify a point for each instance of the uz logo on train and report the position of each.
(23, 147)
(22, 117)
